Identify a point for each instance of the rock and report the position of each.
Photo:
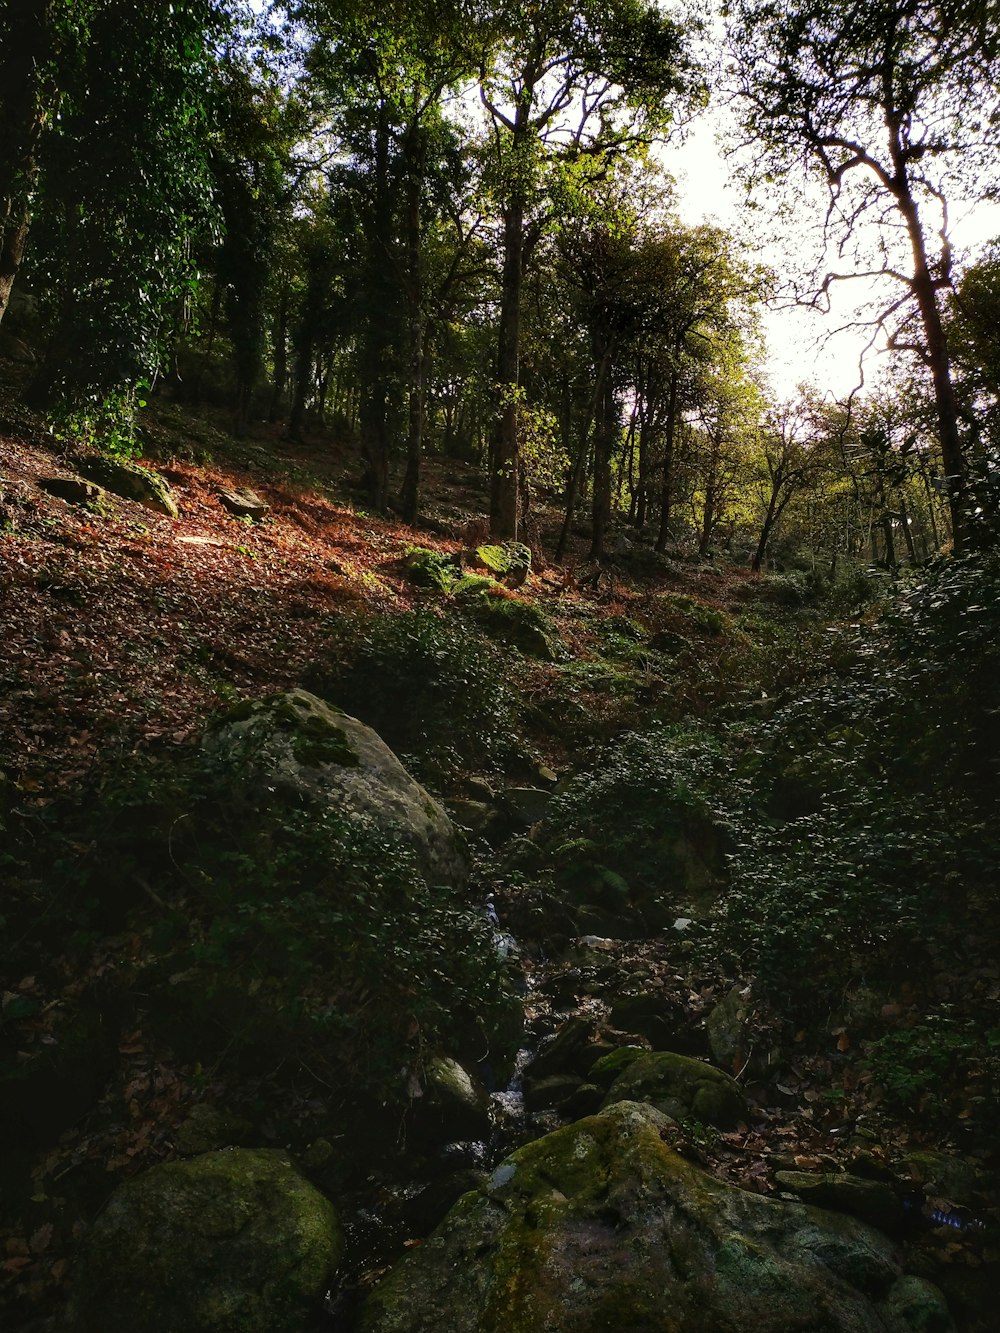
(74, 490)
(230, 1242)
(872, 1200)
(568, 1052)
(474, 816)
(208, 1128)
(602, 1225)
(943, 1176)
(455, 1104)
(652, 1015)
(527, 805)
(605, 1070)
(509, 561)
(916, 1304)
(129, 481)
(243, 503)
(727, 1027)
(295, 745)
(681, 1087)
(513, 622)
(16, 350)
(550, 1093)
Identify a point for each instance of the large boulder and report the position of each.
(682, 1087)
(230, 1242)
(603, 1226)
(295, 746)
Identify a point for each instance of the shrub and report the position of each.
(436, 692)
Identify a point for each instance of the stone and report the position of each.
(550, 1093)
(652, 1015)
(129, 481)
(513, 622)
(455, 1104)
(474, 816)
(727, 1027)
(229, 1242)
(74, 490)
(569, 1051)
(872, 1200)
(208, 1128)
(528, 805)
(605, 1070)
(603, 1226)
(915, 1304)
(682, 1087)
(295, 746)
(243, 503)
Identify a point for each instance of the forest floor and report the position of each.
(123, 631)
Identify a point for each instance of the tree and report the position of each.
(785, 463)
(568, 84)
(28, 39)
(895, 104)
(122, 189)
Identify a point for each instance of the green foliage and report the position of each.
(917, 1067)
(432, 569)
(124, 187)
(295, 939)
(434, 690)
(645, 795)
(878, 831)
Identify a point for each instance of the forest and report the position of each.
(499, 817)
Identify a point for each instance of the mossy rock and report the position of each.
(509, 561)
(431, 569)
(515, 623)
(603, 1226)
(130, 481)
(682, 1087)
(872, 1200)
(605, 1070)
(294, 747)
(229, 1242)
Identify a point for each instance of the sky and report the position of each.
(800, 348)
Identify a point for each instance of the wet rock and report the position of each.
(601, 1225)
(551, 1093)
(681, 1087)
(871, 1200)
(455, 1104)
(230, 1242)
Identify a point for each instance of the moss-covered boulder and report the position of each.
(602, 1226)
(130, 481)
(230, 1242)
(509, 561)
(517, 624)
(295, 746)
(681, 1087)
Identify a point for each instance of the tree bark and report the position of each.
(670, 431)
(410, 496)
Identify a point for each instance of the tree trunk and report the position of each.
(280, 378)
(604, 429)
(410, 496)
(504, 445)
(376, 341)
(670, 431)
(580, 462)
(24, 57)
